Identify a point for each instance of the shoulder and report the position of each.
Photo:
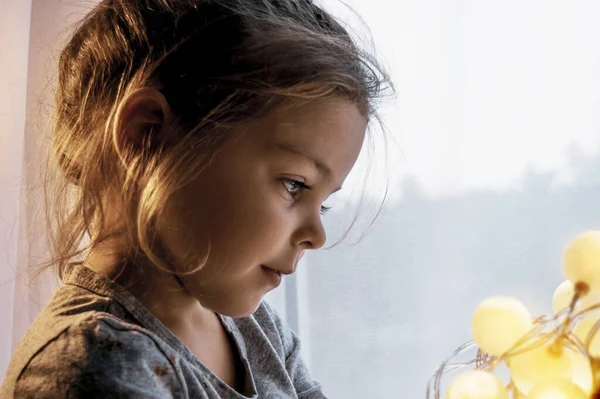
(98, 355)
(103, 335)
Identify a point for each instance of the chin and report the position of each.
(238, 310)
(248, 311)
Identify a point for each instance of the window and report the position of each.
(497, 118)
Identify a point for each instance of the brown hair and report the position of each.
(218, 63)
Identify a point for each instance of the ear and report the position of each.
(142, 123)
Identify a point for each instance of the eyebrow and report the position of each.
(320, 165)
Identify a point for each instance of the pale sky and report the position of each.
(487, 89)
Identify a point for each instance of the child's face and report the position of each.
(248, 208)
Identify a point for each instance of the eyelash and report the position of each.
(303, 186)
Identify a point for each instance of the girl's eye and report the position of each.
(294, 186)
(325, 209)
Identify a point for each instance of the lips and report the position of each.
(284, 272)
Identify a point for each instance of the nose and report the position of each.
(311, 235)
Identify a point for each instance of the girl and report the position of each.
(199, 140)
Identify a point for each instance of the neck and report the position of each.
(162, 293)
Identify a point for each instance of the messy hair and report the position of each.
(218, 63)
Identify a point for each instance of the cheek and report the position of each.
(255, 224)
(244, 216)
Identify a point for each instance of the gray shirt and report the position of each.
(96, 340)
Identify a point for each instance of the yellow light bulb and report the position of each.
(498, 323)
(476, 384)
(581, 260)
(589, 301)
(538, 364)
(557, 388)
(562, 296)
(518, 395)
(583, 375)
(583, 329)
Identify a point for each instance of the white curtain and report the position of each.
(14, 53)
(31, 33)
(497, 119)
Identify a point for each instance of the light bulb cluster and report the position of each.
(555, 357)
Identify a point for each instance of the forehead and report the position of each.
(331, 130)
(341, 117)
